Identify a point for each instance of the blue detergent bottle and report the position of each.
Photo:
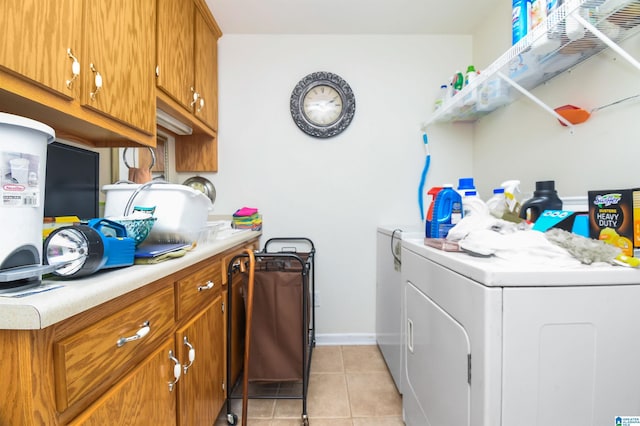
(447, 211)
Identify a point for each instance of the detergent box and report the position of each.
(614, 216)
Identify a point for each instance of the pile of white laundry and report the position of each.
(485, 235)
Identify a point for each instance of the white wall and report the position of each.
(335, 191)
(523, 142)
(492, 36)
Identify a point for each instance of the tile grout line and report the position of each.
(346, 383)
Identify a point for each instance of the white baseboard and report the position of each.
(345, 339)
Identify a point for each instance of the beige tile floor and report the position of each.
(348, 386)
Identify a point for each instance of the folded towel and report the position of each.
(245, 211)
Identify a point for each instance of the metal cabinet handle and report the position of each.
(75, 68)
(146, 328)
(177, 371)
(196, 96)
(200, 104)
(192, 354)
(208, 286)
(97, 82)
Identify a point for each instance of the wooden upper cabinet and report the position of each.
(206, 71)
(175, 50)
(39, 41)
(187, 56)
(119, 60)
(47, 48)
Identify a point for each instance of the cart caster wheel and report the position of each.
(305, 420)
(232, 419)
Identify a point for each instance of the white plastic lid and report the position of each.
(16, 120)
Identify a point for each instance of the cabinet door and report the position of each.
(143, 398)
(237, 327)
(119, 38)
(206, 72)
(175, 50)
(46, 30)
(200, 390)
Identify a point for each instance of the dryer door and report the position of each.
(437, 390)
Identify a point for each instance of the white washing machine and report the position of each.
(490, 344)
(389, 291)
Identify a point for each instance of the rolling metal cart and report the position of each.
(281, 323)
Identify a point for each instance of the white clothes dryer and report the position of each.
(490, 344)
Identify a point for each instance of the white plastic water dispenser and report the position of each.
(23, 157)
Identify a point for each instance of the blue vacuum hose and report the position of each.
(423, 178)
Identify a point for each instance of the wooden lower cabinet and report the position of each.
(142, 398)
(74, 373)
(237, 330)
(237, 312)
(201, 387)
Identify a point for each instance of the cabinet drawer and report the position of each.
(98, 355)
(199, 288)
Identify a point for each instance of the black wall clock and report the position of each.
(322, 104)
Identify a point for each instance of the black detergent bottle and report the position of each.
(545, 197)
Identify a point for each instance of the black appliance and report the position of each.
(72, 182)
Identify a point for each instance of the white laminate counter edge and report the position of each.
(494, 272)
(41, 310)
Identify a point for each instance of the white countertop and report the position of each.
(495, 272)
(41, 310)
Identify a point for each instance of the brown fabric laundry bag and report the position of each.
(276, 353)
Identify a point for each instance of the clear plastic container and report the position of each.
(493, 93)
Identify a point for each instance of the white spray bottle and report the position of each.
(512, 200)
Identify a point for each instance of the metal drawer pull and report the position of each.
(177, 371)
(192, 354)
(75, 68)
(207, 286)
(97, 81)
(146, 328)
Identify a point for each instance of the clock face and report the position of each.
(322, 104)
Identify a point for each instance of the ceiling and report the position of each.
(350, 16)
